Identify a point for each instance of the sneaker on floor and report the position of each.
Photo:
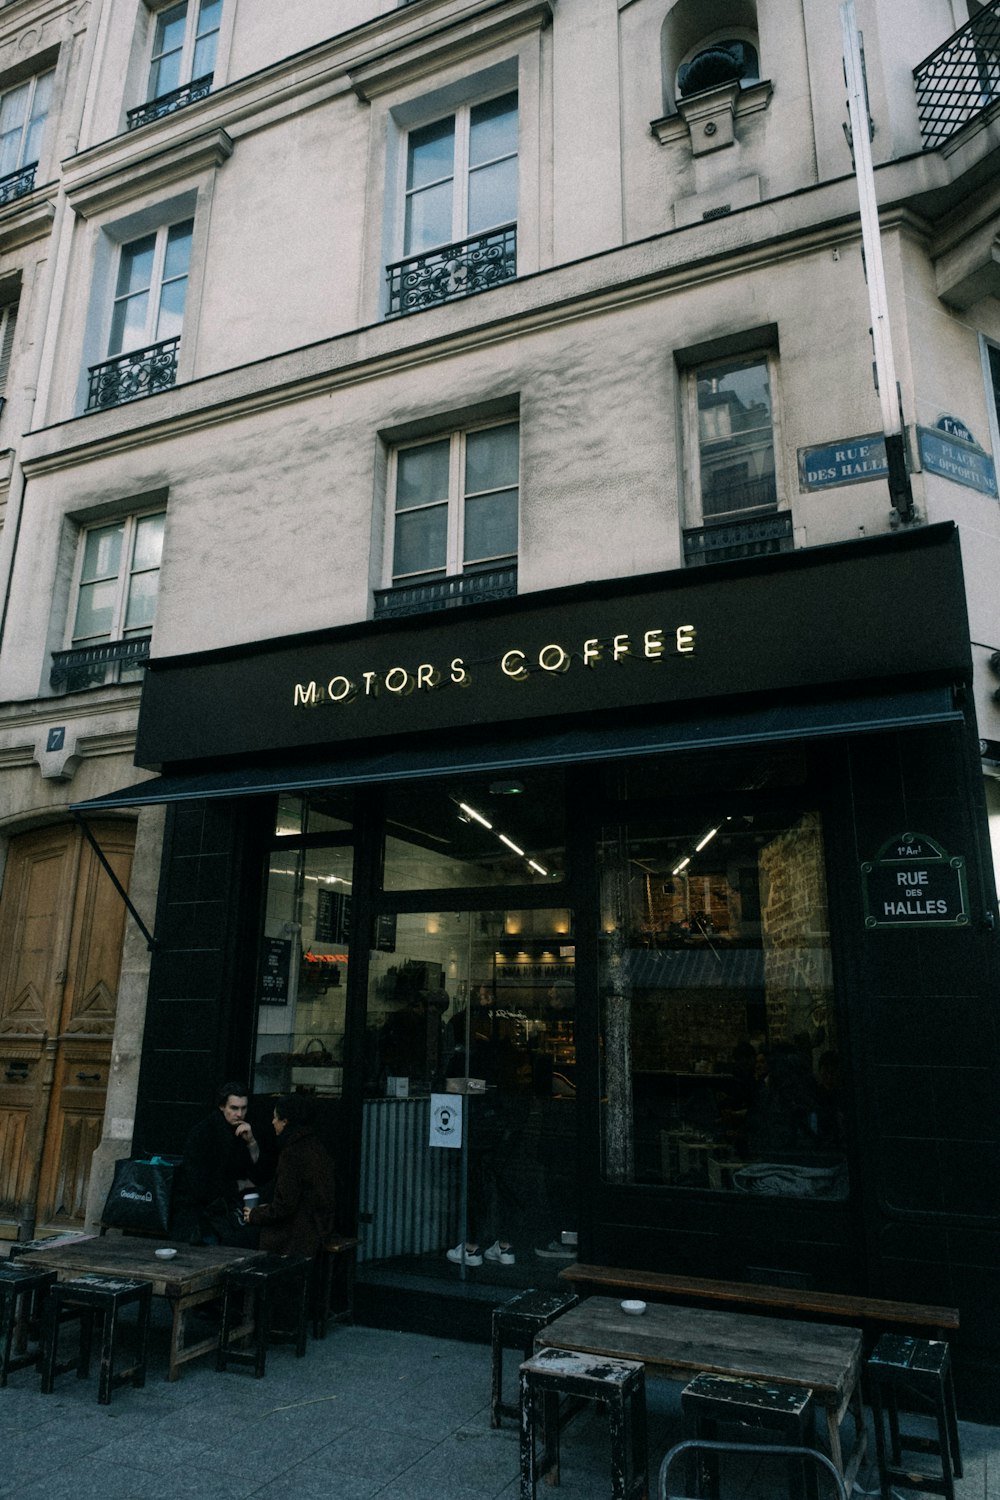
(472, 1255)
(500, 1253)
(554, 1251)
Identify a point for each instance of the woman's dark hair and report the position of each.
(234, 1086)
(296, 1109)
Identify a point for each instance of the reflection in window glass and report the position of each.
(720, 1052)
(504, 830)
(470, 1030)
(302, 972)
(735, 437)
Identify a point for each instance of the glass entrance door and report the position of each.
(469, 1117)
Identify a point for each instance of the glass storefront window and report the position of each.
(302, 974)
(313, 813)
(473, 1013)
(720, 1061)
(489, 831)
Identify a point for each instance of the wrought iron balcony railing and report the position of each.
(17, 184)
(720, 498)
(454, 271)
(446, 593)
(143, 372)
(960, 79)
(754, 537)
(154, 109)
(85, 666)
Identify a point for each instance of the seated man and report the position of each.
(222, 1159)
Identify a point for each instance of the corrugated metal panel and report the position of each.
(409, 1189)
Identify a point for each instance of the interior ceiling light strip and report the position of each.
(470, 812)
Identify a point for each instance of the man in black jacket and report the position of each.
(222, 1160)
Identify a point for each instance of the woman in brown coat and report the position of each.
(299, 1216)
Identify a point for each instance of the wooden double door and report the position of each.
(61, 930)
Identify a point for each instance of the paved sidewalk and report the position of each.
(367, 1412)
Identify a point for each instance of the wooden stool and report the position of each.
(262, 1279)
(922, 1366)
(85, 1298)
(619, 1384)
(19, 1284)
(786, 1410)
(515, 1325)
(327, 1258)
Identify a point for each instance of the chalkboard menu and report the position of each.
(275, 967)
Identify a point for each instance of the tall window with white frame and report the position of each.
(147, 315)
(455, 520)
(731, 440)
(23, 112)
(182, 61)
(459, 218)
(117, 580)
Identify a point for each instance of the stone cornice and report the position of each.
(181, 160)
(416, 59)
(28, 218)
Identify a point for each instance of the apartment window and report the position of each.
(733, 498)
(118, 571)
(8, 325)
(146, 317)
(991, 369)
(453, 533)
(23, 112)
(459, 205)
(735, 438)
(184, 45)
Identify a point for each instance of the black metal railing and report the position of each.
(155, 109)
(960, 79)
(730, 540)
(85, 666)
(446, 593)
(722, 497)
(17, 184)
(458, 270)
(143, 372)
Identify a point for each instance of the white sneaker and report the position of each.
(554, 1251)
(471, 1255)
(501, 1254)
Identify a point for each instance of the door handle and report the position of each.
(88, 1077)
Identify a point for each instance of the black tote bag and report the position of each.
(141, 1194)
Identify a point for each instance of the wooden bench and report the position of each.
(830, 1306)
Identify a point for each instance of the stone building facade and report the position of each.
(357, 355)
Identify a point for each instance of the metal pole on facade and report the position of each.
(900, 491)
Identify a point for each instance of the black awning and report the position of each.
(771, 725)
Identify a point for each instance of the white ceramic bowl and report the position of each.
(635, 1308)
(166, 1253)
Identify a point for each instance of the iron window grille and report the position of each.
(82, 661)
(459, 270)
(166, 104)
(17, 184)
(127, 377)
(729, 540)
(446, 593)
(960, 79)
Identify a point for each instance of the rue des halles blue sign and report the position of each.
(948, 448)
(913, 882)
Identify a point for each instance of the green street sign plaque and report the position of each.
(914, 882)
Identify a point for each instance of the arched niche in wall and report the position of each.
(701, 41)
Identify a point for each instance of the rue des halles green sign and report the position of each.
(913, 882)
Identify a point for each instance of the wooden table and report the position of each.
(681, 1342)
(192, 1277)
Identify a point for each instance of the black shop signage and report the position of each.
(826, 616)
(914, 882)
